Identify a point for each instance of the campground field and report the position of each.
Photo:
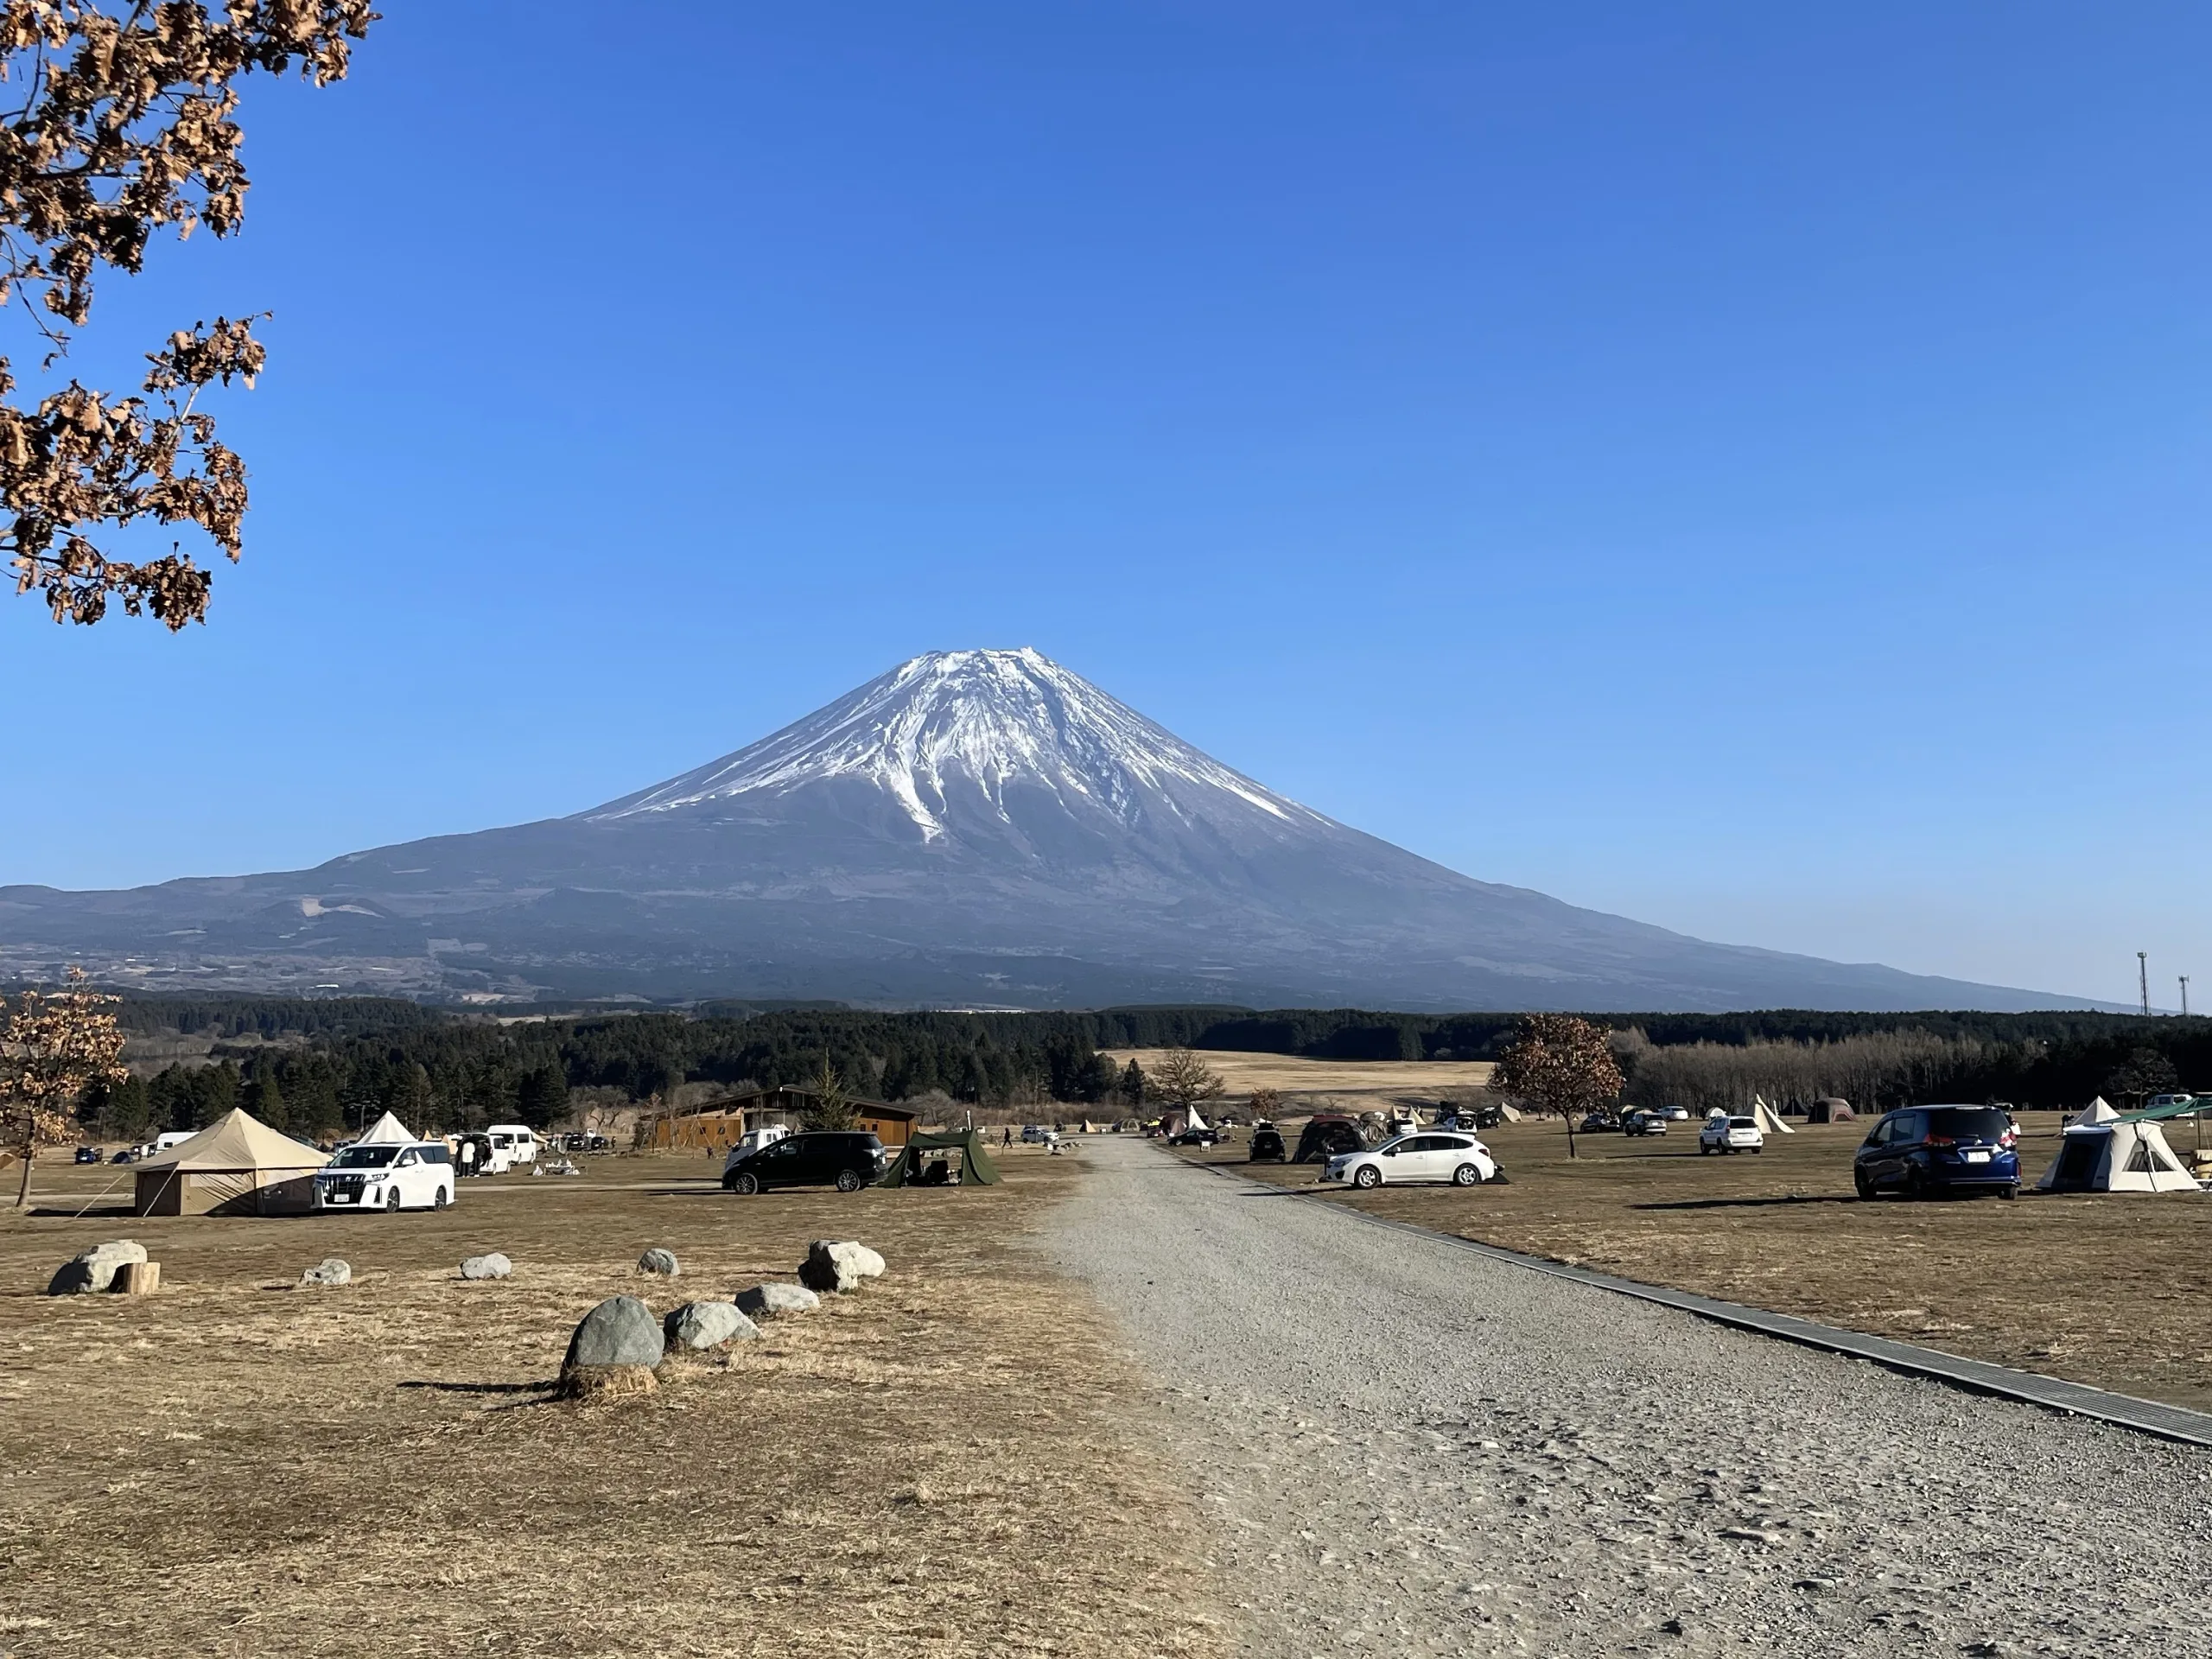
(2110, 1290)
(941, 1463)
(1359, 1084)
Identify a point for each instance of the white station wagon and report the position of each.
(399, 1175)
(1425, 1155)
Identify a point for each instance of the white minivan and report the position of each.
(398, 1175)
(518, 1141)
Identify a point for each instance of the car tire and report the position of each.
(2008, 1193)
(1865, 1188)
(391, 1203)
(1367, 1178)
(441, 1201)
(1916, 1185)
(849, 1180)
(1466, 1175)
(746, 1184)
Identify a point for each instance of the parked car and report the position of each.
(1930, 1151)
(1431, 1155)
(1673, 1113)
(163, 1142)
(1724, 1134)
(518, 1141)
(397, 1175)
(1643, 1123)
(1033, 1133)
(848, 1159)
(128, 1155)
(1267, 1145)
(598, 1143)
(1600, 1123)
(1196, 1138)
(88, 1155)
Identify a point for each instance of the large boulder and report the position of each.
(494, 1266)
(329, 1271)
(767, 1302)
(660, 1262)
(95, 1269)
(614, 1349)
(835, 1265)
(696, 1326)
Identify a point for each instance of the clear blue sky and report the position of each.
(1742, 466)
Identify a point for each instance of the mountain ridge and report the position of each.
(971, 825)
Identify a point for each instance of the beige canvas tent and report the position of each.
(1767, 1118)
(387, 1131)
(2103, 1152)
(238, 1166)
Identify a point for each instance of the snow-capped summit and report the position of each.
(972, 728)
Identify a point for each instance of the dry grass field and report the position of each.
(2111, 1290)
(1360, 1085)
(940, 1464)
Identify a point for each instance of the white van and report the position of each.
(516, 1140)
(174, 1138)
(401, 1175)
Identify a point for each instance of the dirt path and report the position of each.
(1409, 1451)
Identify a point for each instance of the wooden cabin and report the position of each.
(717, 1125)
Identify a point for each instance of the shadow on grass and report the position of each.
(1752, 1204)
(483, 1388)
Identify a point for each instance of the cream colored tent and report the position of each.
(1767, 1118)
(387, 1131)
(2102, 1152)
(238, 1166)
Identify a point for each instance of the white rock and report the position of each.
(835, 1265)
(329, 1271)
(660, 1262)
(767, 1301)
(708, 1324)
(494, 1266)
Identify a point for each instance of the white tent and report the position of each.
(238, 1166)
(387, 1131)
(2100, 1152)
(1767, 1118)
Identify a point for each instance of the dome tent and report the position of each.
(2102, 1152)
(238, 1166)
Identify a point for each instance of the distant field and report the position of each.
(2109, 1290)
(1289, 1074)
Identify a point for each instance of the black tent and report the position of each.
(974, 1164)
(1327, 1134)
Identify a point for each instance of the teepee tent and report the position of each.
(387, 1131)
(238, 1166)
(2103, 1152)
(1767, 1118)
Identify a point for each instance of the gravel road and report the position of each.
(1412, 1450)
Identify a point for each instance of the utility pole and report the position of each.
(2184, 996)
(2143, 975)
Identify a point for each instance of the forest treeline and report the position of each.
(315, 1066)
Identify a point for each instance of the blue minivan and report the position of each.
(1925, 1152)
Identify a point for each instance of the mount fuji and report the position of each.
(974, 828)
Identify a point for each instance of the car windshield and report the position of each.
(1969, 1123)
(365, 1158)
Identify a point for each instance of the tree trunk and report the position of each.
(30, 1151)
(1569, 1116)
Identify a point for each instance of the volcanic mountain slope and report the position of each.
(974, 828)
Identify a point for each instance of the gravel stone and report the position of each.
(95, 1269)
(1384, 1426)
(494, 1266)
(767, 1302)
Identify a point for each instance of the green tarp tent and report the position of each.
(972, 1164)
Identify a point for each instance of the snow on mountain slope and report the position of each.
(979, 721)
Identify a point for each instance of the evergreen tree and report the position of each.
(266, 1100)
(1132, 1084)
(541, 1098)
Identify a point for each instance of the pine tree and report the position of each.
(1132, 1084)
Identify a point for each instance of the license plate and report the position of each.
(337, 1198)
(1977, 1157)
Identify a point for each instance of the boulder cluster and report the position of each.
(620, 1347)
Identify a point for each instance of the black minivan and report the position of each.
(848, 1159)
(1929, 1151)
